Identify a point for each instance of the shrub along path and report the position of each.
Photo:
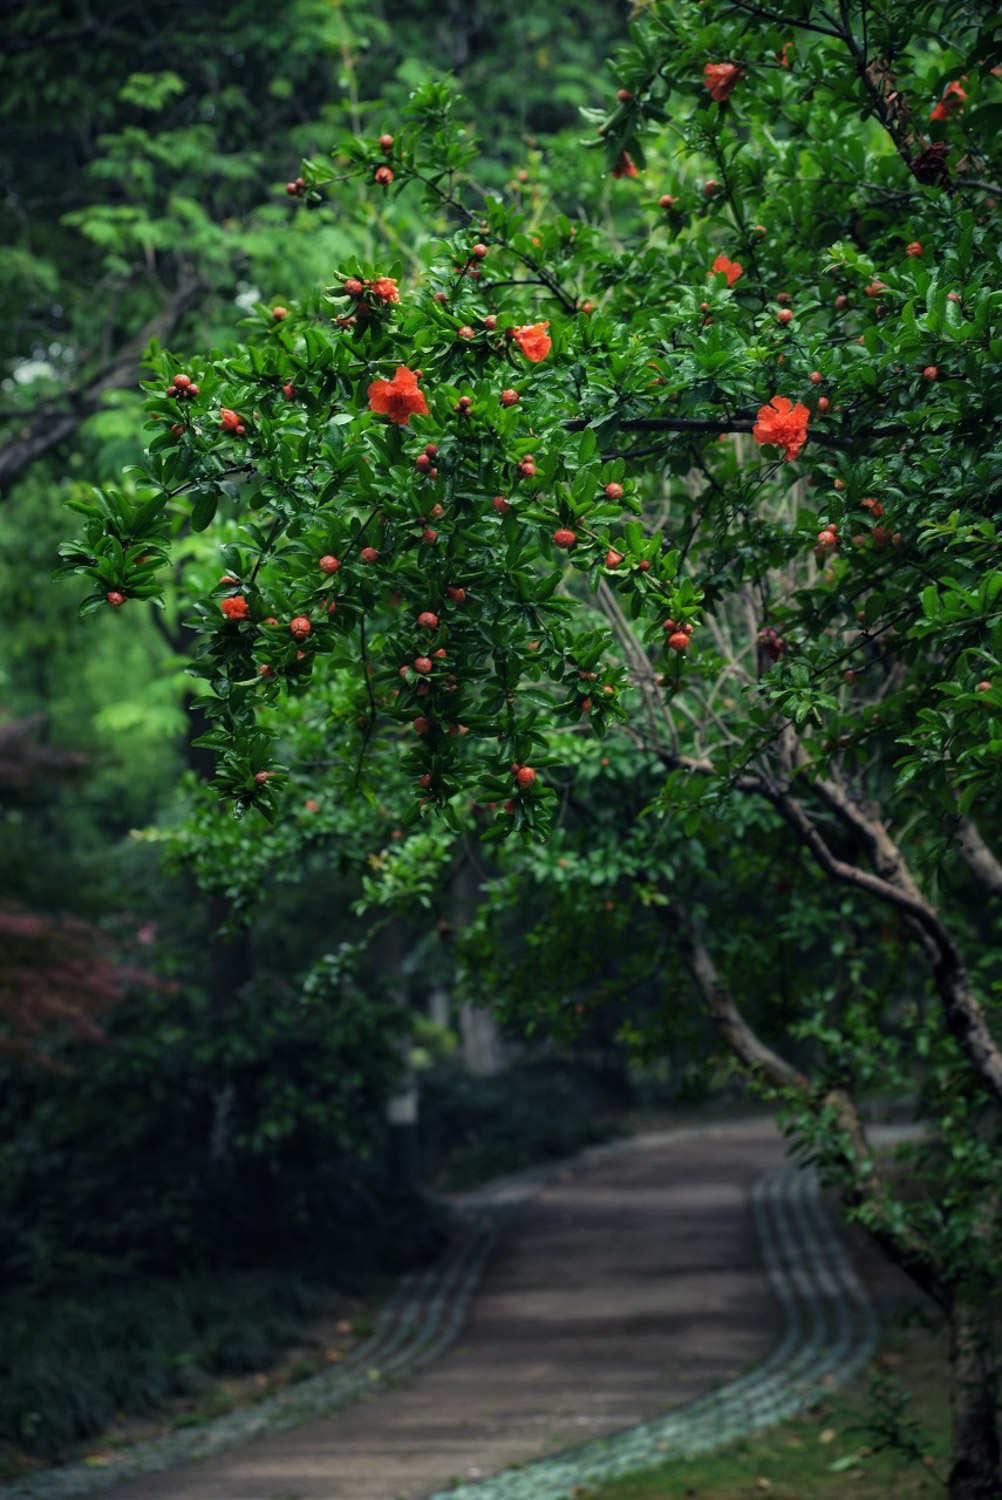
(650, 1273)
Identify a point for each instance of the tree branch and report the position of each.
(748, 1048)
(893, 884)
(982, 861)
(741, 422)
(48, 428)
(964, 1015)
(865, 1189)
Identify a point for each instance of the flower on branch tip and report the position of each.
(399, 398)
(953, 100)
(385, 288)
(732, 269)
(533, 340)
(783, 424)
(720, 79)
(235, 608)
(625, 165)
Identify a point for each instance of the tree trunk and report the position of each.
(975, 1460)
(483, 1048)
(403, 1108)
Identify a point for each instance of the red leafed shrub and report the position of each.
(57, 976)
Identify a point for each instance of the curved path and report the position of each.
(689, 1270)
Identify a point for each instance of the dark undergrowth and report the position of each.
(103, 1340)
(71, 1364)
(478, 1128)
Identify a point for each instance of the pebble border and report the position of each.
(828, 1331)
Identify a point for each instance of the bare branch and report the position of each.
(982, 860)
(866, 1189)
(964, 1015)
(48, 428)
(748, 1048)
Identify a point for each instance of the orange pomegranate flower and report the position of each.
(732, 269)
(625, 166)
(953, 100)
(720, 79)
(398, 398)
(783, 424)
(385, 288)
(533, 340)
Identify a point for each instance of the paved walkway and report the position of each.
(649, 1275)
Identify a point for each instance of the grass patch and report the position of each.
(883, 1435)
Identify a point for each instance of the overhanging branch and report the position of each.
(739, 422)
(847, 1145)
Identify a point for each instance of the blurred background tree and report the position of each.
(144, 156)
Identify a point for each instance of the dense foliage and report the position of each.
(697, 449)
(144, 161)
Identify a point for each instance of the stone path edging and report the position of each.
(829, 1329)
(829, 1332)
